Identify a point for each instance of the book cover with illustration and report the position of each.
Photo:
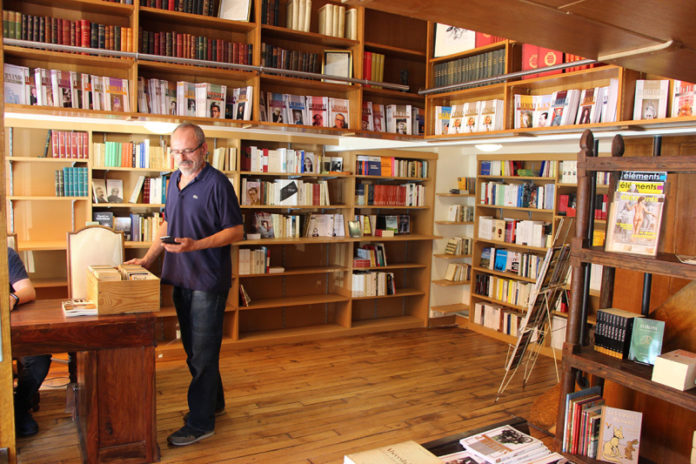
(619, 439)
(646, 340)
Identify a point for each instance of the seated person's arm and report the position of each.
(24, 290)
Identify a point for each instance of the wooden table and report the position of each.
(115, 401)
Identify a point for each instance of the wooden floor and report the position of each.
(314, 402)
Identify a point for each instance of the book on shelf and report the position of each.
(676, 369)
(17, 85)
(589, 106)
(683, 99)
(564, 107)
(378, 117)
(123, 224)
(524, 111)
(99, 191)
(114, 190)
(244, 298)
(490, 116)
(398, 118)
(451, 39)
(296, 110)
(235, 10)
(104, 218)
(542, 110)
(115, 94)
(619, 439)
(646, 340)
(318, 111)
(367, 118)
(635, 214)
(339, 112)
(408, 452)
(571, 399)
(651, 99)
(442, 119)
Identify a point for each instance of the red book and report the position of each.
(85, 144)
(55, 144)
(85, 32)
(549, 57)
(62, 144)
(367, 66)
(74, 145)
(171, 5)
(481, 39)
(530, 59)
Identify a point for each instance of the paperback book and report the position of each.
(619, 440)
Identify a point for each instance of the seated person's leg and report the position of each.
(33, 372)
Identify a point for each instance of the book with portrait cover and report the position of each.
(339, 113)
(115, 94)
(398, 118)
(243, 98)
(378, 117)
(318, 111)
(215, 99)
(276, 107)
(263, 224)
(524, 111)
(502, 444)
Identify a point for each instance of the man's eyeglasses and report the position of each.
(186, 151)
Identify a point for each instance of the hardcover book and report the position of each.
(408, 452)
(646, 340)
(682, 99)
(651, 99)
(619, 440)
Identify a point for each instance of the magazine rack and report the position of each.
(536, 325)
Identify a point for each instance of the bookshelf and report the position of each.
(505, 262)
(625, 378)
(310, 296)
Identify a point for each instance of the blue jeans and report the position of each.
(33, 373)
(201, 317)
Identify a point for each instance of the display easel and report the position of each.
(536, 325)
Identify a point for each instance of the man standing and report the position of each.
(34, 368)
(203, 215)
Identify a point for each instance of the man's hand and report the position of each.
(183, 244)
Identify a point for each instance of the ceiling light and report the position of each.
(488, 147)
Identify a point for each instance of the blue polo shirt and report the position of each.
(15, 268)
(207, 205)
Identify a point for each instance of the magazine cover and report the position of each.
(635, 214)
(317, 108)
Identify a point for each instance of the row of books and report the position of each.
(469, 68)
(384, 225)
(373, 66)
(67, 144)
(263, 225)
(299, 14)
(254, 260)
(409, 194)
(524, 195)
(389, 166)
(598, 431)
(131, 155)
(317, 111)
(516, 262)
(627, 335)
(224, 158)
(395, 119)
(336, 21)
(135, 227)
(66, 89)
(567, 107)
(370, 255)
(523, 232)
(274, 56)
(78, 33)
(460, 213)
(496, 317)
(200, 7)
(469, 117)
(71, 182)
(458, 246)
(569, 171)
(372, 283)
(270, 12)
(258, 159)
(458, 272)
(509, 291)
(150, 190)
(199, 47)
(285, 192)
(465, 185)
(200, 99)
(509, 168)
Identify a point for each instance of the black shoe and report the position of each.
(187, 436)
(25, 425)
(218, 412)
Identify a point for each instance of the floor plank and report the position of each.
(314, 402)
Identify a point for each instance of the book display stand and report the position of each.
(536, 325)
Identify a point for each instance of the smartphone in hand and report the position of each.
(169, 239)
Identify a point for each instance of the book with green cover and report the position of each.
(646, 340)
